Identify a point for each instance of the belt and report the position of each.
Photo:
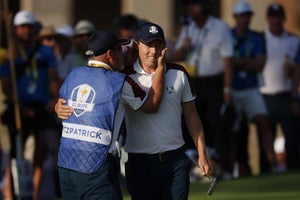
(244, 88)
(216, 77)
(279, 94)
(161, 156)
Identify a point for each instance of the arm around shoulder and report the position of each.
(63, 111)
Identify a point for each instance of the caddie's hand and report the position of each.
(63, 111)
(161, 58)
(203, 165)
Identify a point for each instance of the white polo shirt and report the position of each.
(277, 48)
(156, 132)
(209, 45)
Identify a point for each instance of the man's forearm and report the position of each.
(155, 92)
(157, 89)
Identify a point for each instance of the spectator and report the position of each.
(47, 37)
(281, 87)
(65, 56)
(248, 62)
(35, 70)
(127, 25)
(205, 44)
(83, 29)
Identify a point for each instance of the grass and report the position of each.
(285, 186)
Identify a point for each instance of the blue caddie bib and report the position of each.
(94, 94)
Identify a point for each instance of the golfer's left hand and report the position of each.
(203, 165)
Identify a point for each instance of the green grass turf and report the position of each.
(285, 186)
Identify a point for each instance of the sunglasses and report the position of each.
(49, 38)
(84, 35)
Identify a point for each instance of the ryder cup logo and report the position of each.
(153, 30)
(170, 89)
(82, 99)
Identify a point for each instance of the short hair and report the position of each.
(128, 21)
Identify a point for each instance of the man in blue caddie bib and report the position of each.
(96, 93)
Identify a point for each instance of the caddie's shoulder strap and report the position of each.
(20, 68)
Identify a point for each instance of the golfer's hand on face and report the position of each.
(161, 58)
(63, 111)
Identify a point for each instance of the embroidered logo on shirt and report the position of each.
(82, 99)
(170, 89)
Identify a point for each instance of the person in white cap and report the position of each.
(66, 57)
(84, 27)
(248, 62)
(82, 30)
(24, 17)
(37, 86)
(65, 30)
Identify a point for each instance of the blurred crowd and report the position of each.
(241, 77)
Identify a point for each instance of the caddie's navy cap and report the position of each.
(148, 32)
(275, 9)
(101, 41)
